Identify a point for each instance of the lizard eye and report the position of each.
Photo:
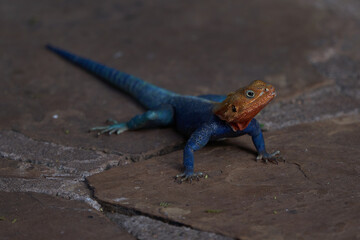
(233, 108)
(250, 93)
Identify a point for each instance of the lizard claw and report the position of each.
(270, 157)
(118, 128)
(180, 178)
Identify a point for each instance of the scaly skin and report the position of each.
(203, 118)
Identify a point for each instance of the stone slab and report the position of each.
(39, 216)
(203, 47)
(314, 194)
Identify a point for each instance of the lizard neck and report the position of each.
(238, 125)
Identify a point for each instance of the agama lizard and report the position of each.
(203, 118)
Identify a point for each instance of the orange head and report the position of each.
(242, 105)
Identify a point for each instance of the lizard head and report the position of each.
(241, 106)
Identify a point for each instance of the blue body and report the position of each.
(192, 116)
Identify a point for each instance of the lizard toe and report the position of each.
(270, 157)
(110, 129)
(180, 178)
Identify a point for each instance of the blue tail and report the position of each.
(147, 94)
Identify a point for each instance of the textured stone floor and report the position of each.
(313, 193)
(57, 181)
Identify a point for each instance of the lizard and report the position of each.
(201, 118)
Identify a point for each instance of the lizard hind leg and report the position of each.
(162, 116)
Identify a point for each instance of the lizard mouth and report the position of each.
(271, 91)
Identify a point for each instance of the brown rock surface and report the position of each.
(314, 194)
(39, 216)
(308, 49)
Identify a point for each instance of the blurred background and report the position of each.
(193, 48)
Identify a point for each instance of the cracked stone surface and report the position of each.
(308, 49)
(314, 194)
(146, 228)
(64, 161)
(39, 216)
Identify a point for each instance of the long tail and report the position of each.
(147, 94)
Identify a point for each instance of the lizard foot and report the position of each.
(180, 178)
(270, 157)
(116, 127)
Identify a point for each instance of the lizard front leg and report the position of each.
(162, 116)
(198, 139)
(257, 137)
